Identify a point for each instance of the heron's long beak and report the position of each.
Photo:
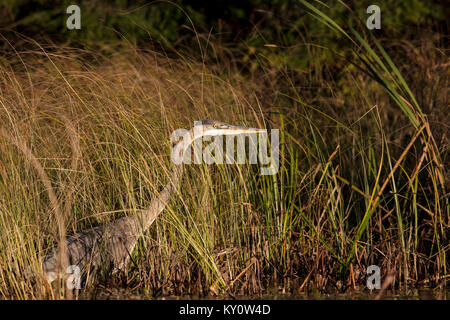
(243, 130)
(224, 129)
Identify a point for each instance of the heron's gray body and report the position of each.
(110, 245)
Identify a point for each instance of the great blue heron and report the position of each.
(111, 245)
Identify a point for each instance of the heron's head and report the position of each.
(205, 128)
(217, 128)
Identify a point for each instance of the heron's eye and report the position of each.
(216, 125)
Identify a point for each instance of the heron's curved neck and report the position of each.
(146, 217)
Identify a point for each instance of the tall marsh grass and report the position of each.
(85, 139)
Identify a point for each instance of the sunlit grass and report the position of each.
(350, 192)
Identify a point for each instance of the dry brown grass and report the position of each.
(94, 134)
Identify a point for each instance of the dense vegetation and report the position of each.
(86, 116)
